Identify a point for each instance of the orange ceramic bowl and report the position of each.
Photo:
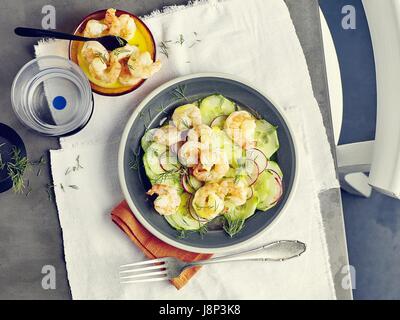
(147, 44)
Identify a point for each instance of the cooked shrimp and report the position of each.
(193, 135)
(209, 153)
(106, 73)
(125, 52)
(217, 171)
(94, 49)
(186, 117)
(188, 154)
(128, 26)
(240, 127)
(112, 22)
(235, 191)
(141, 65)
(126, 78)
(94, 29)
(168, 199)
(123, 26)
(208, 201)
(167, 135)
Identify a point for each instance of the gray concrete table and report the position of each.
(30, 234)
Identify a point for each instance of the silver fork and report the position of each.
(169, 268)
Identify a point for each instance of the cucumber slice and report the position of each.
(233, 152)
(268, 189)
(231, 173)
(169, 162)
(219, 122)
(150, 174)
(214, 106)
(152, 157)
(182, 220)
(172, 223)
(194, 183)
(272, 165)
(266, 137)
(186, 185)
(148, 139)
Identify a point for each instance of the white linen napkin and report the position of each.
(255, 40)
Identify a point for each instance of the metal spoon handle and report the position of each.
(32, 33)
(276, 251)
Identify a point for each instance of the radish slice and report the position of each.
(194, 183)
(279, 181)
(186, 186)
(183, 135)
(219, 122)
(250, 193)
(252, 172)
(169, 162)
(258, 157)
(174, 149)
(193, 212)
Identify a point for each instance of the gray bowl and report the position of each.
(160, 104)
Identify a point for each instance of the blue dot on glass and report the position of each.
(59, 103)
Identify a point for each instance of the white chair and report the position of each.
(381, 158)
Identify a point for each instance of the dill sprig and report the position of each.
(194, 43)
(196, 40)
(233, 226)
(179, 92)
(135, 162)
(146, 122)
(51, 187)
(183, 234)
(181, 40)
(164, 48)
(118, 51)
(16, 169)
(170, 174)
(162, 109)
(78, 166)
(164, 176)
(102, 57)
(203, 230)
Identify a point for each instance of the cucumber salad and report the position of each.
(212, 160)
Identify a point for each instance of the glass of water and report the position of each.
(52, 96)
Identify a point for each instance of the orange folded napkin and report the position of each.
(153, 247)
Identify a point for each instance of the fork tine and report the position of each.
(159, 266)
(146, 274)
(145, 280)
(144, 262)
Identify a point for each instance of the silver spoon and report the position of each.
(109, 42)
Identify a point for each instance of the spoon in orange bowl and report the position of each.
(109, 42)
